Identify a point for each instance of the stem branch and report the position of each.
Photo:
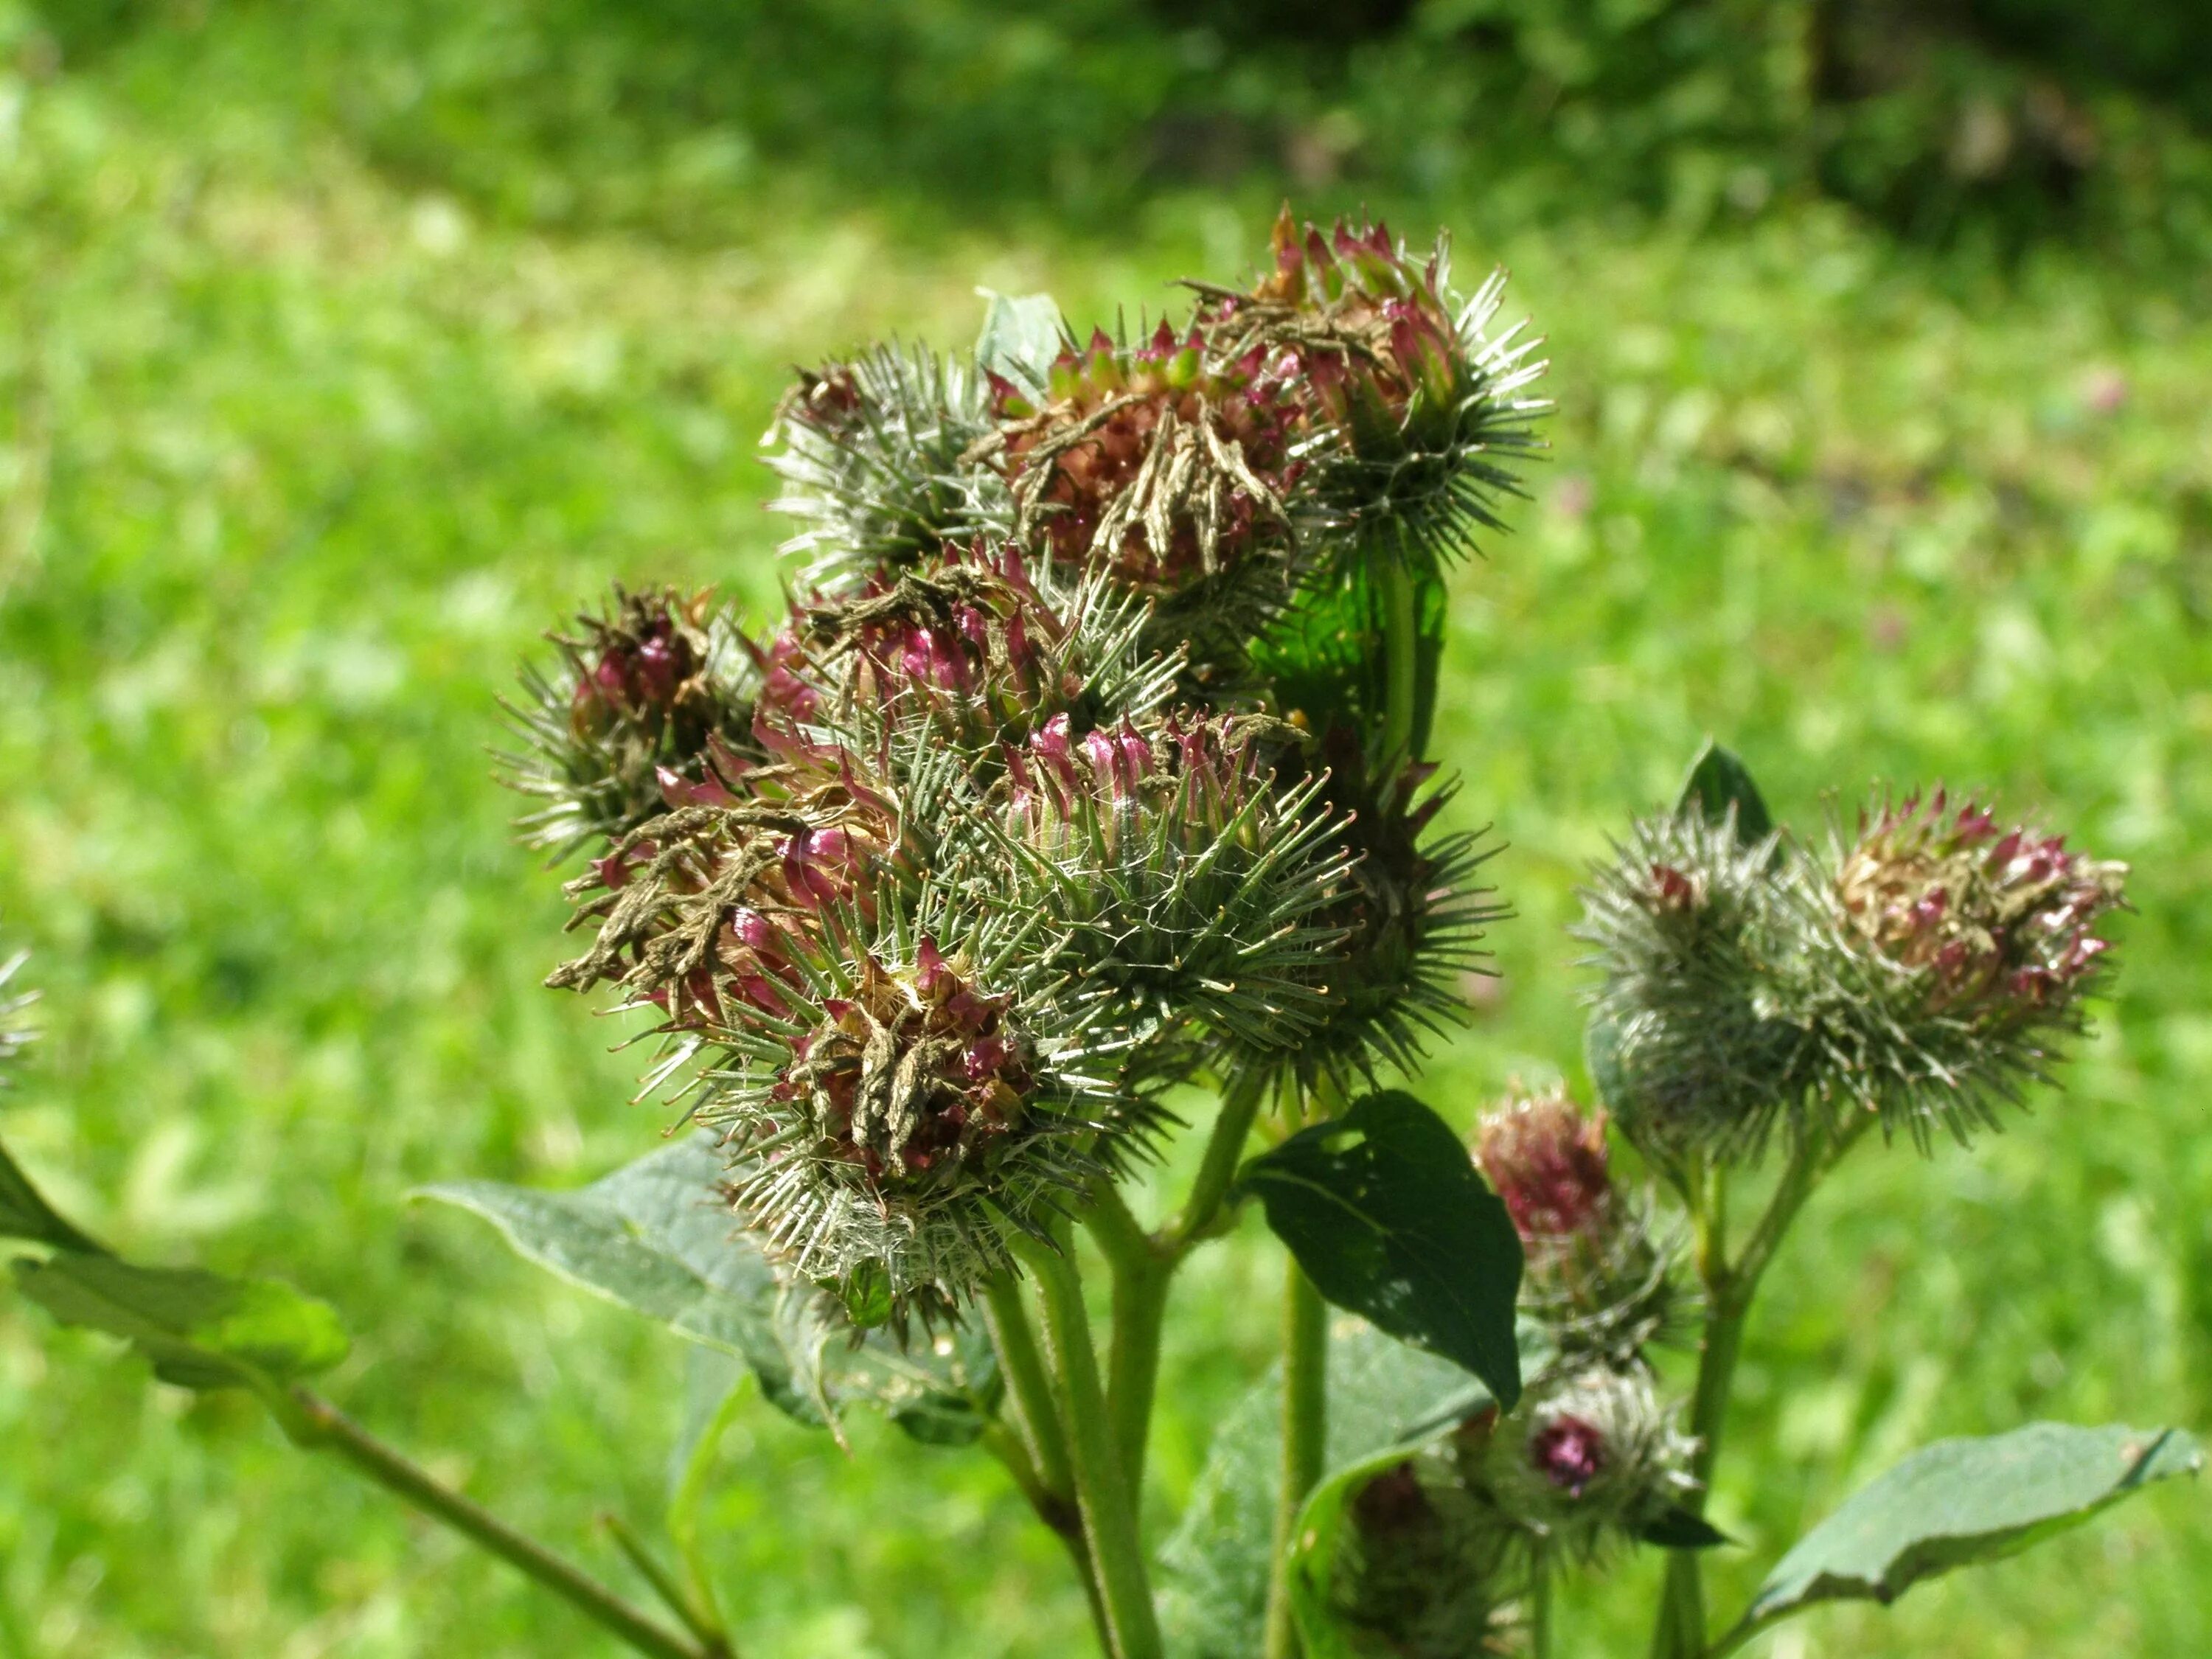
(318, 1425)
(1101, 1488)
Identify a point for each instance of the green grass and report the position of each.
(301, 448)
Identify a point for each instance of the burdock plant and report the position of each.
(1079, 799)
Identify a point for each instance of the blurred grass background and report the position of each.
(345, 348)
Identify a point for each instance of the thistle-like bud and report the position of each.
(872, 455)
(905, 1110)
(1411, 913)
(971, 646)
(1599, 1273)
(1427, 1569)
(1956, 957)
(1994, 926)
(1701, 1033)
(1422, 405)
(1160, 463)
(1182, 882)
(638, 697)
(1590, 1458)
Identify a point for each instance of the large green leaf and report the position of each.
(1385, 1211)
(1022, 335)
(200, 1330)
(656, 1238)
(1213, 1570)
(25, 1214)
(1718, 781)
(1962, 1501)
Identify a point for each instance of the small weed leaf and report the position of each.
(24, 1214)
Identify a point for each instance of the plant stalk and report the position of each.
(1680, 1632)
(315, 1422)
(1400, 657)
(1140, 1272)
(1305, 1435)
(677, 1600)
(1102, 1487)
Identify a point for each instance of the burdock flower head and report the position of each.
(871, 453)
(1960, 950)
(1590, 1457)
(638, 695)
(1426, 1568)
(1701, 1030)
(1598, 1275)
(1991, 924)
(905, 1110)
(1161, 463)
(1181, 882)
(1423, 406)
(973, 646)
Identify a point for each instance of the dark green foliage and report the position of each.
(1389, 1218)
(1719, 784)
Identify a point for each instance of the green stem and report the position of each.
(1058, 1512)
(1217, 1171)
(1140, 1270)
(683, 1508)
(1729, 1287)
(1539, 1607)
(1008, 1320)
(315, 1422)
(1401, 661)
(1101, 1488)
(1305, 1431)
(672, 1595)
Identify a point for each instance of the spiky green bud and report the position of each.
(634, 702)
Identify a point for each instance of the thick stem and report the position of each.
(315, 1422)
(1058, 1512)
(1540, 1605)
(1101, 1488)
(1141, 1272)
(1402, 666)
(1729, 1287)
(1305, 1433)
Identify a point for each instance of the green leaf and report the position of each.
(1312, 1553)
(1213, 1570)
(25, 1214)
(1022, 335)
(657, 1238)
(1719, 780)
(200, 1330)
(1385, 1210)
(1962, 1501)
(1678, 1529)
